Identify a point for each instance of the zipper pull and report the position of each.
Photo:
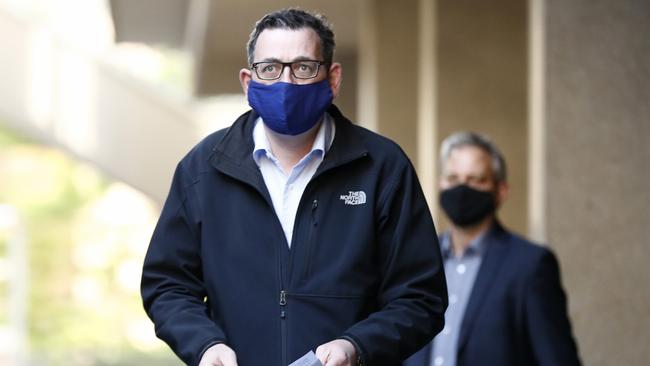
(283, 298)
(314, 206)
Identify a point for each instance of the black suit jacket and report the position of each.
(517, 312)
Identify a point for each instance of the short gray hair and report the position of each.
(294, 19)
(460, 139)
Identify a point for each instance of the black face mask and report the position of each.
(467, 206)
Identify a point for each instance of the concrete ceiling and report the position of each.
(216, 31)
(231, 21)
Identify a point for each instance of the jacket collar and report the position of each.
(233, 153)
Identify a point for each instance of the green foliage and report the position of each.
(80, 312)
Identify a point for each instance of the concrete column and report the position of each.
(427, 122)
(482, 84)
(597, 107)
(388, 71)
(367, 76)
(536, 122)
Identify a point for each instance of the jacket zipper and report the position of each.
(282, 302)
(283, 325)
(283, 292)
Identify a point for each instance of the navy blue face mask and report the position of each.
(290, 109)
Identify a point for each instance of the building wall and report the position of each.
(388, 66)
(598, 158)
(482, 56)
(593, 128)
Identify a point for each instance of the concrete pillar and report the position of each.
(597, 108)
(388, 71)
(482, 84)
(427, 106)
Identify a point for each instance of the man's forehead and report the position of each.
(285, 45)
(469, 159)
(469, 153)
(304, 34)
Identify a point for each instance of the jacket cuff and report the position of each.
(360, 361)
(209, 344)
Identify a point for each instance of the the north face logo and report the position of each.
(354, 198)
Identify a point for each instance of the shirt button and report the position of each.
(453, 299)
(438, 361)
(446, 330)
(461, 269)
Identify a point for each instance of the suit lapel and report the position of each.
(495, 253)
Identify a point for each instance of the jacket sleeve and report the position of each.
(412, 294)
(172, 285)
(548, 324)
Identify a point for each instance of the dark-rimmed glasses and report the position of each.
(271, 70)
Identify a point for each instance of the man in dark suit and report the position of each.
(506, 302)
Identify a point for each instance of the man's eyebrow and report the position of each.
(269, 59)
(299, 58)
(304, 58)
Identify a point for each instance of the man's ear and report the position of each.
(335, 76)
(245, 78)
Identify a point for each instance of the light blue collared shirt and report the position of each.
(461, 273)
(286, 189)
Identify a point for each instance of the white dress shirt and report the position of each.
(286, 188)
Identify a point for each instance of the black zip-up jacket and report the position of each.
(364, 263)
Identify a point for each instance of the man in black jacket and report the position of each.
(294, 230)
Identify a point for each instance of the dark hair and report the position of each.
(294, 19)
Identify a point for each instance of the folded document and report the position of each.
(307, 360)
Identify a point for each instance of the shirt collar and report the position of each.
(322, 142)
(476, 246)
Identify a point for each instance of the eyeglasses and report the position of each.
(306, 69)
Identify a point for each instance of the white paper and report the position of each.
(309, 359)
